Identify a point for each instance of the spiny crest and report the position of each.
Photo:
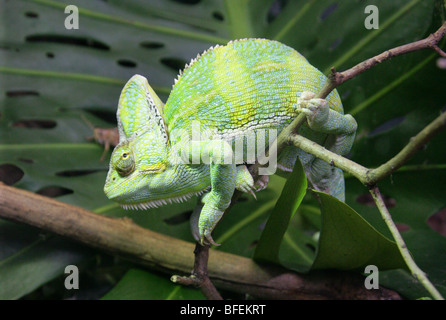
(193, 60)
(162, 202)
(191, 63)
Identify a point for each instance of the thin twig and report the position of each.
(413, 267)
(369, 177)
(199, 277)
(338, 78)
(415, 144)
(311, 147)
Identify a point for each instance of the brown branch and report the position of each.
(338, 78)
(199, 276)
(173, 256)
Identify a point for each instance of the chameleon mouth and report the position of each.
(161, 202)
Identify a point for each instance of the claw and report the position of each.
(206, 239)
(251, 191)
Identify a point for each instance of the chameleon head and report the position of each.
(138, 171)
(140, 175)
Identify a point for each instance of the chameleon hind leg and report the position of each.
(340, 130)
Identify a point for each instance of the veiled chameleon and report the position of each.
(247, 88)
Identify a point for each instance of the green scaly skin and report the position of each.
(246, 87)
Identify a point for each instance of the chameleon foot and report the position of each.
(206, 239)
(245, 182)
(209, 217)
(315, 109)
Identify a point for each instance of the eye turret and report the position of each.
(124, 161)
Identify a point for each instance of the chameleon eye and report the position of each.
(125, 163)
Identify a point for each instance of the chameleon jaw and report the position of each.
(161, 202)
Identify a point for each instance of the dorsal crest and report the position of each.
(191, 63)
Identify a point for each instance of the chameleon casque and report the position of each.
(231, 91)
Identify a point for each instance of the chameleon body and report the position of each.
(249, 86)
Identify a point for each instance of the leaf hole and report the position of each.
(10, 174)
(367, 200)
(21, 93)
(310, 246)
(35, 124)
(335, 44)
(175, 64)
(106, 115)
(127, 63)
(75, 173)
(253, 244)
(152, 45)
(54, 191)
(328, 11)
(178, 218)
(437, 222)
(8, 48)
(187, 2)
(69, 40)
(346, 94)
(386, 126)
(26, 160)
(50, 55)
(275, 9)
(402, 227)
(31, 14)
(218, 16)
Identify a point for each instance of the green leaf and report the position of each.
(38, 262)
(349, 242)
(139, 284)
(267, 249)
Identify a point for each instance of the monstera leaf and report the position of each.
(58, 83)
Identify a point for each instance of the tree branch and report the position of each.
(415, 144)
(369, 177)
(338, 78)
(199, 276)
(126, 239)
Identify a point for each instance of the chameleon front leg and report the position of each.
(223, 175)
(244, 182)
(341, 130)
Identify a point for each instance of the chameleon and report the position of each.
(248, 87)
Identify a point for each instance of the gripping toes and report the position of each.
(315, 109)
(206, 224)
(244, 181)
(209, 217)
